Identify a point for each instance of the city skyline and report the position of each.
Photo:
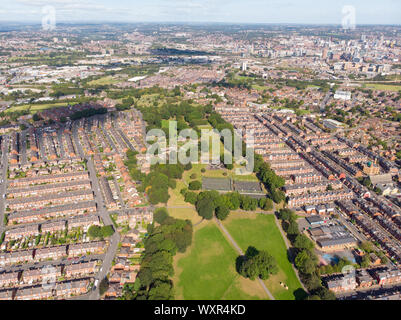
(207, 11)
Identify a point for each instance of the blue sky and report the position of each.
(241, 11)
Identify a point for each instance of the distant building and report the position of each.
(332, 124)
(342, 95)
(371, 169)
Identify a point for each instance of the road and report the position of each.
(23, 147)
(352, 228)
(103, 213)
(120, 197)
(367, 293)
(239, 250)
(324, 102)
(3, 179)
(106, 266)
(115, 238)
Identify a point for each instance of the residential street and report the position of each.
(3, 182)
(114, 240)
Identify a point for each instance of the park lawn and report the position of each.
(41, 107)
(103, 81)
(224, 173)
(196, 169)
(259, 87)
(37, 107)
(149, 100)
(261, 232)
(219, 173)
(24, 107)
(185, 214)
(247, 177)
(383, 87)
(165, 124)
(176, 198)
(207, 270)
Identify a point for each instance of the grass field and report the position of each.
(103, 81)
(383, 87)
(176, 198)
(38, 107)
(224, 173)
(150, 99)
(185, 213)
(261, 232)
(207, 270)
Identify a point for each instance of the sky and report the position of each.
(226, 11)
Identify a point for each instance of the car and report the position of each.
(96, 283)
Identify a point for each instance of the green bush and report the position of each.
(195, 185)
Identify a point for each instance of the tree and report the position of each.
(205, 208)
(100, 232)
(378, 190)
(303, 242)
(94, 232)
(285, 214)
(36, 117)
(292, 228)
(195, 185)
(248, 203)
(207, 202)
(266, 204)
(160, 215)
(365, 261)
(161, 290)
(107, 231)
(190, 197)
(367, 246)
(305, 262)
(103, 286)
(261, 265)
(232, 200)
(158, 195)
(277, 195)
(222, 212)
(311, 281)
(325, 294)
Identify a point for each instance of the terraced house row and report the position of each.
(68, 210)
(39, 190)
(54, 253)
(372, 229)
(54, 178)
(63, 289)
(49, 200)
(34, 275)
(51, 226)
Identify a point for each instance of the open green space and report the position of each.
(37, 107)
(108, 80)
(261, 232)
(383, 87)
(207, 270)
